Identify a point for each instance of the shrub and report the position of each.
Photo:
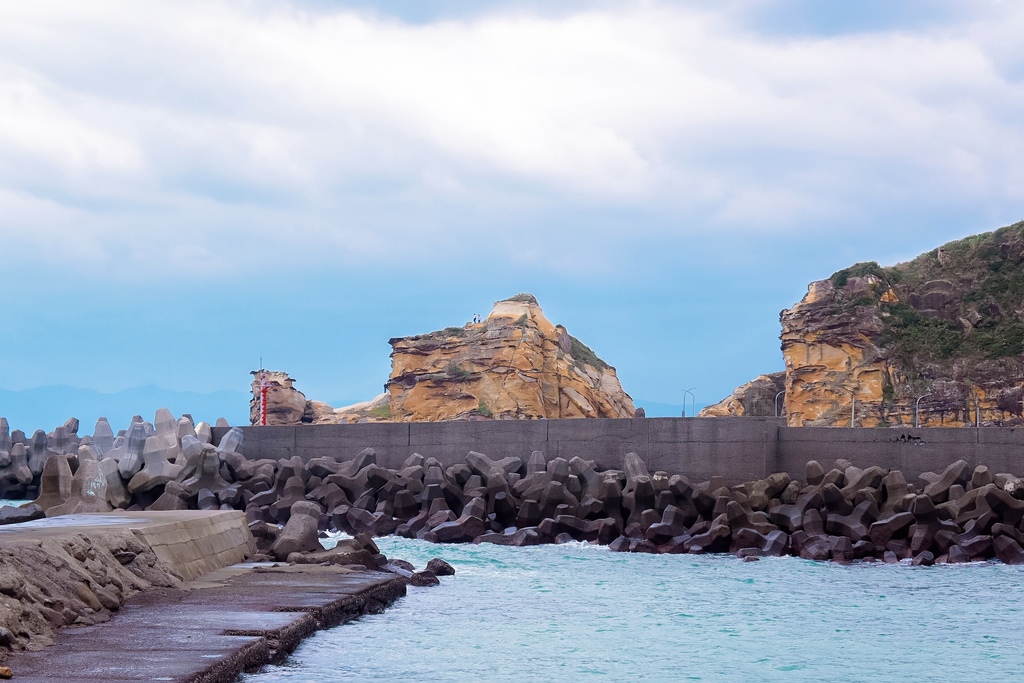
(841, 277)
(484, 410)
(523, 298)
(999, 342)
(454, 371)
(380, 412)
(913, 336)
(583, 354)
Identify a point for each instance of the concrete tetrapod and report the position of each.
(157, 469)
(88, 490)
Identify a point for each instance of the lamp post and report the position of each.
(777, 401)
(917, 407)
(693, 404)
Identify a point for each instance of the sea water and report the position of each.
(580, 612)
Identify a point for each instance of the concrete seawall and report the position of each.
(79, 569)
(160, 596)
(739, 449)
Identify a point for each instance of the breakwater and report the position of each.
(844, 513)
(958, 512)
(737, 449)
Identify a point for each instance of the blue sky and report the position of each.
(188, 186)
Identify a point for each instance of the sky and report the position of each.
(187, 187)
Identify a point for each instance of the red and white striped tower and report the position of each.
(264, 387)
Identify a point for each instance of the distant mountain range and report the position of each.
(50, 406)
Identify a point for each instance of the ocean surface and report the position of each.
(579, 612)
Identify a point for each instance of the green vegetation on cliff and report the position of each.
(583, 354)
(523, 299)
(963, 300)
(841, 277)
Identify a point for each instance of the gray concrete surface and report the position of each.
(191, 542)
(230, 621)
(739, 449)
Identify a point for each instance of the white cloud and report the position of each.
(203, 123)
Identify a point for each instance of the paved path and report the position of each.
(235, 619)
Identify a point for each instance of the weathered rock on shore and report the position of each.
(512, 365)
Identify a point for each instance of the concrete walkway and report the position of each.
(229, 621)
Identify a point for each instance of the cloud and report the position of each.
(167, 133)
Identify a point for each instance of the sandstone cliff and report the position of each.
(286, 405)
(757, 398)
(513, 365)
(947, 327)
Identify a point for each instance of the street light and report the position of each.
(777, 401)
(917, 407)
(692, 400)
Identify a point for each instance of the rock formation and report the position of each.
(948, 327)
(286, 405)
(513, 365)
(757, 398)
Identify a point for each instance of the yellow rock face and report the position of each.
(286, 405)
(836, 375)
(832, 362)
(514, 365)
(757, 398)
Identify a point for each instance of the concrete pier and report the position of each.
(190, 542)
(225, 618)
(230, 621)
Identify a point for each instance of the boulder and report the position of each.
(440, 568)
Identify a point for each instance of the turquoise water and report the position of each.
(580, 612)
